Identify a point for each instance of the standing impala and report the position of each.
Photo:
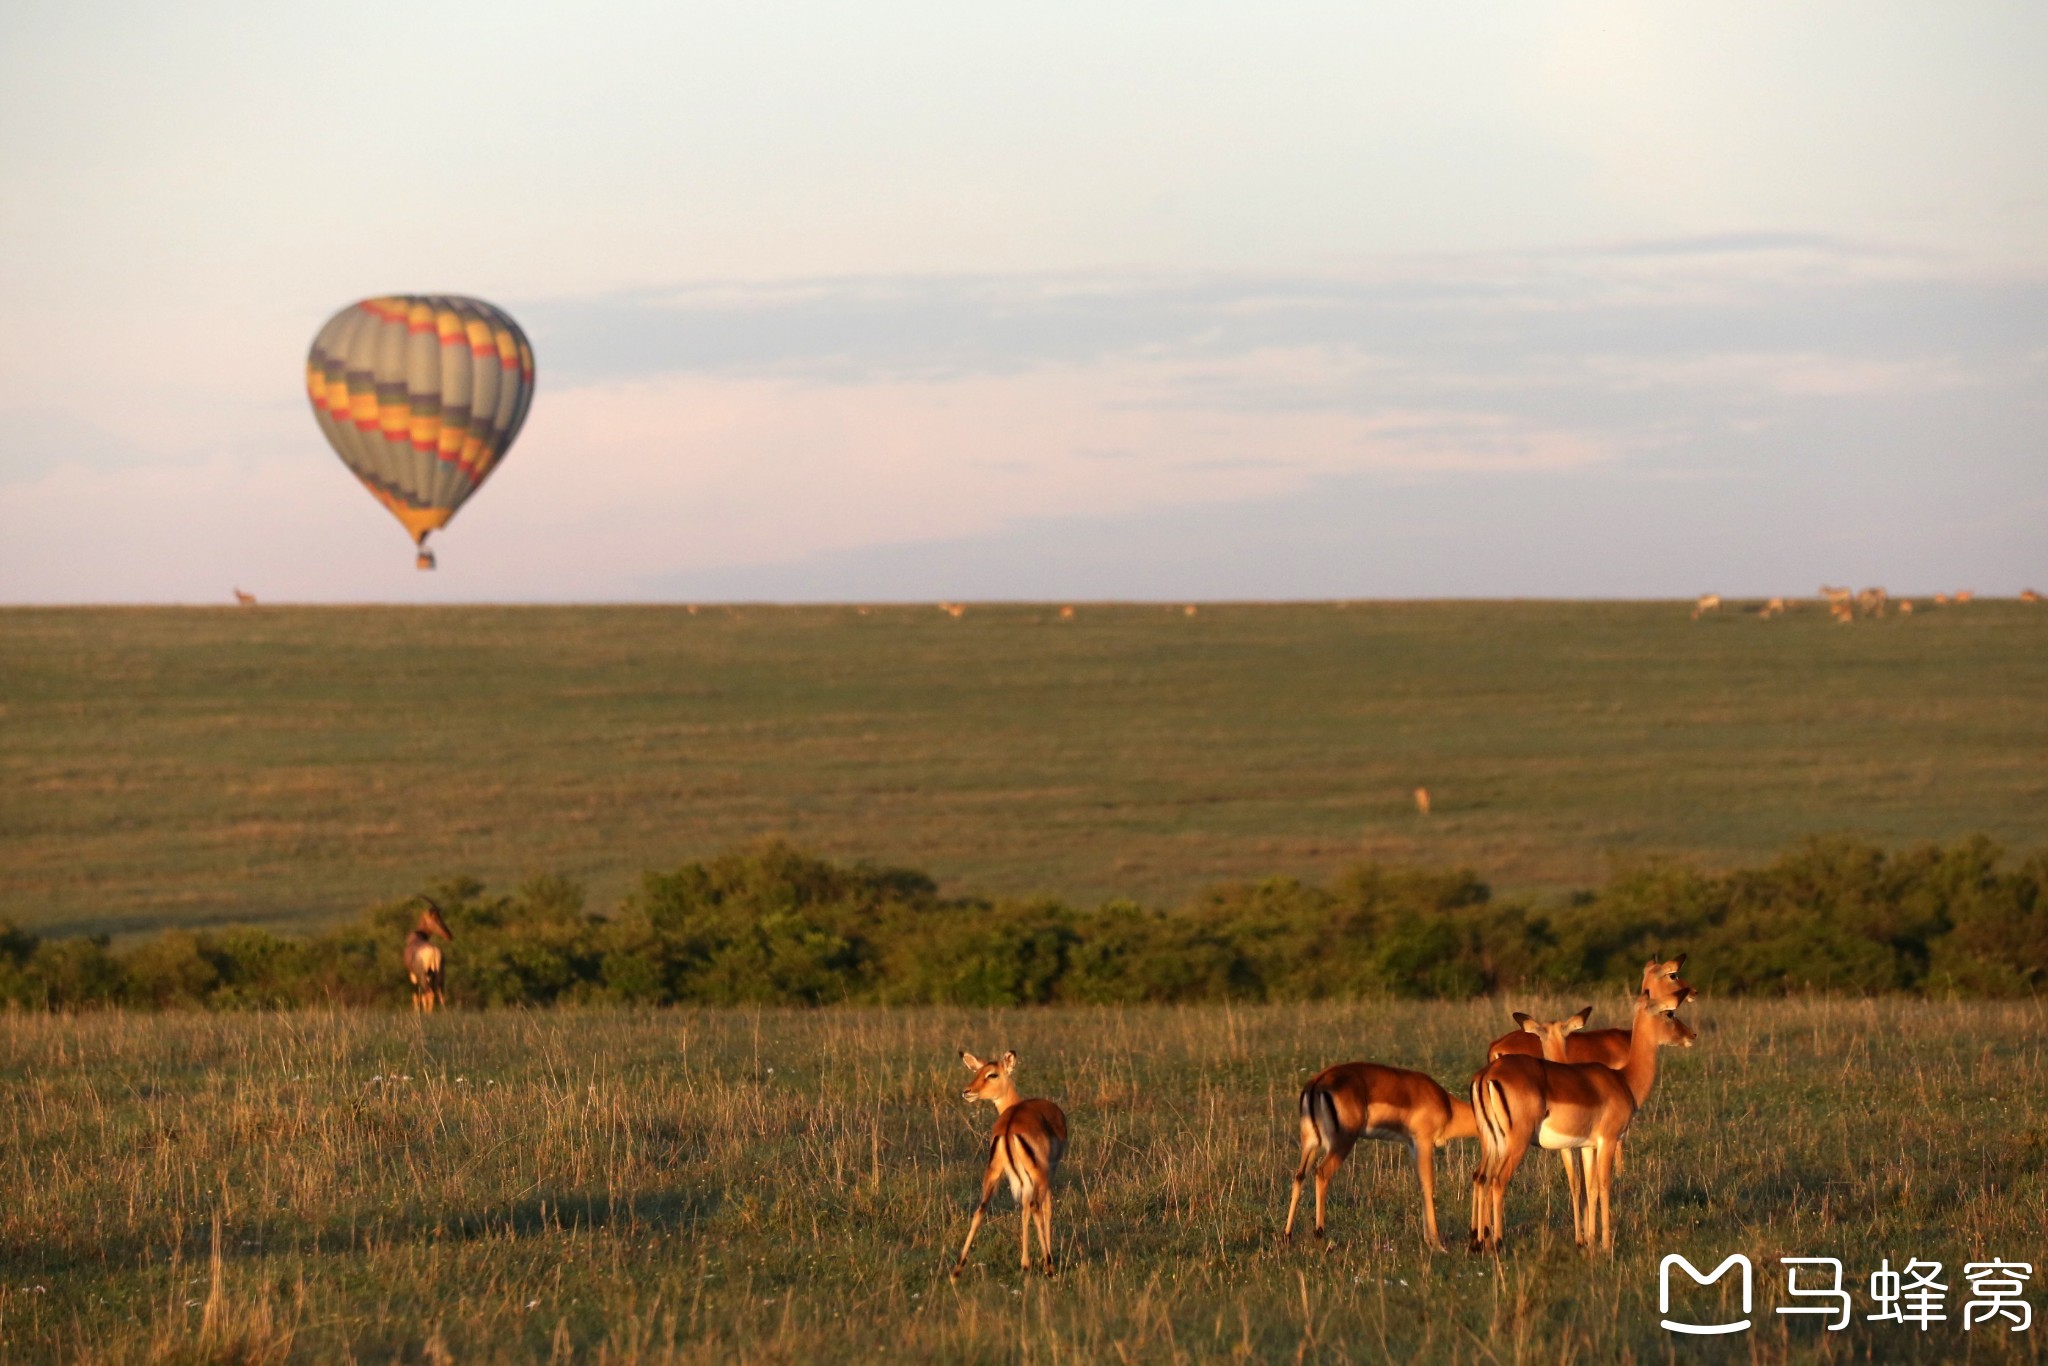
(1608, 1047)
(1355, 1100)
(1029, 1140)
(1518, 1100)
(423, 961)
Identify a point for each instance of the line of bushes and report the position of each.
(770, 924)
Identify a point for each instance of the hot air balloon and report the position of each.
(421, 395)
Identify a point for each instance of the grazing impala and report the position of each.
(1422, 800)
(1517, 1101)
(1355, 1100)
(1608, 1047)
(1030, 1137)
(1710, 603)
(423, 961)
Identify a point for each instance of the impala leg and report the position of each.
(1027, 1202)
(1324, 1173)
(1311, 1150)
(1571, 1180)
(1504, 1173)
(1604, 1160)
(988, 1189)
(1481, 1198)
(1045, 1227)
(1425, 1172)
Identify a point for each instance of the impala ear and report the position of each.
(1009, 1062)
(1527, 1023)
(1578, 1021)
(1678, 962)
(973, 1063)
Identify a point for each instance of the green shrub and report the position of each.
(769, 924)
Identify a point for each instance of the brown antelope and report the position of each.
(1422, 800)
(1355, 1100)
(1710, 603)
(1941, 599)
(1774, 608)
(1965, 594)
(1189, 610)
(2029, 595)
(1842, 612)
(1067, 612)
(1608, 1047)
(423, 962)
(1517, 1101)
(245, 599)
(1905, 607)
(1030, 1138)
(955, 610)
(1871, 602)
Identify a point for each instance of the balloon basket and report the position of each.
(424, 560)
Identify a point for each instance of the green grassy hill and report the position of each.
(284, 766)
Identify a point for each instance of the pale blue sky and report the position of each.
(909, 300)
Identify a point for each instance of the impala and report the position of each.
(1355, 1100)
(1517, 1101)
(1030, 1138)
(1609, 1047)
(423, 961)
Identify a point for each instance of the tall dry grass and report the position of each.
(785, 1186)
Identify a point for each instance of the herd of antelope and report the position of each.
(1846, 604)
(1554, 1084)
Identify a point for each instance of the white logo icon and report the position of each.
(1664, 1293)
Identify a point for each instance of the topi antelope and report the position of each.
(1709, 603)
(1517, 1101)
(245, 599)
(1029, 1140)
(1355, 1100)
(423, 962)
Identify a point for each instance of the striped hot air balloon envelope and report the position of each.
(421, 395)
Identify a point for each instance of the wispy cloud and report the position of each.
(684, 434)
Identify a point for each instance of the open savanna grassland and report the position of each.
(793, 1186)
(286, 766)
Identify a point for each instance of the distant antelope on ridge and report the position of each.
(423, 961)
